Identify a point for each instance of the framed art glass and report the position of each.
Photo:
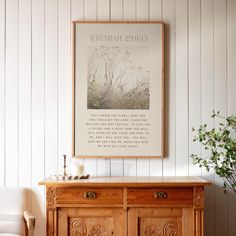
(118, 89)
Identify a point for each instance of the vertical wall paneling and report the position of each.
(116, 10)
(77, 9)
(36, 89)
(156, 10)
(38, 115)
(117, 165)
(2, 92)
(64, 82)
(156, 14)
(143, 165)
(77, 13)
(103, 167)
(231, 72)
(103, 13)
(142, 10)
(129, 10)
(220, 98)
(207, 88)
(194, 72)
(51, 85)
(90, 13)
(231, 56)
(169, 20)
(207, 84)
(90, 10)
(182, 129)
(130, 164)
(103, 7)
(130, 167)
(25, 96)
(12, 82)
(220, 83)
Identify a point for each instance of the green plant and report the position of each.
(220, 144)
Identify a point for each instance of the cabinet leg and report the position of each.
(51, 223)
(198, 222)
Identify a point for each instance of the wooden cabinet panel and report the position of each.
(159, 222)
(125, 207)
(92, 222)
(160, 196)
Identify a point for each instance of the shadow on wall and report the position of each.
(167, 93)
(209, 211)
(231, 213)
(220, 209)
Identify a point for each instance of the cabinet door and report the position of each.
(90, 222)
(160, 222)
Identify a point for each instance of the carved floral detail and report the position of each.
(78, 228)
(51, 195)
(152, 230)
(199, 197)
(97, 230)
(170, 228)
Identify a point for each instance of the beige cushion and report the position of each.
(9, 234)
(12, 224)
(12, 206)
(12, 200)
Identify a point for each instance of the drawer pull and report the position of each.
(160, 195)
(90, 195)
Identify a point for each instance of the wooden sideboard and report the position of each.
(125, 206)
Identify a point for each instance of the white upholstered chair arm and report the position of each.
(30, 223)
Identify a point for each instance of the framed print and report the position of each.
(118, 89)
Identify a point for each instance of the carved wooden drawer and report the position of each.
(89, 196)
(161, 196)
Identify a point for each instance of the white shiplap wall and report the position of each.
(35, 91)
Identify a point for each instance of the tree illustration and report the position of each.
(115, 82)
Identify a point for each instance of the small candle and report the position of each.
(77, 169)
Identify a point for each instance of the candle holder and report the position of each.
(65, 172)
(65, 175)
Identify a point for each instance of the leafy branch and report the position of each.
(221, 146)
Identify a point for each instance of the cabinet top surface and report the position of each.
(180, 181)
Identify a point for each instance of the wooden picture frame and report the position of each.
(118, 89)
